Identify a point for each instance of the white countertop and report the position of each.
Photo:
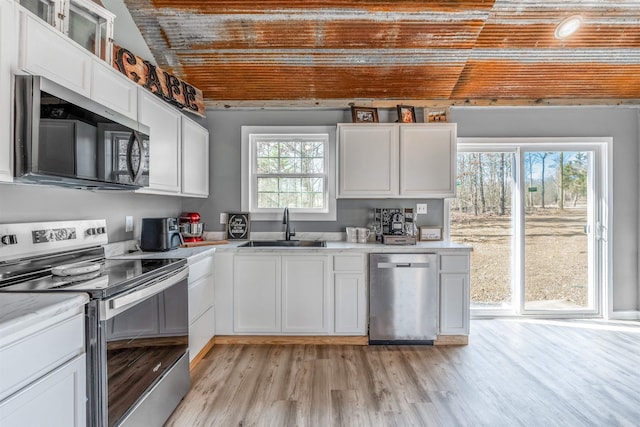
(439, 246)
(20, 311)
(196, 253)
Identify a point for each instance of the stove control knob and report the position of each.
(96, 230)
(9, 239)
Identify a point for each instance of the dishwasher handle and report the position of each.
(403, 265)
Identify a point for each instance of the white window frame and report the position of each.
(249, 177)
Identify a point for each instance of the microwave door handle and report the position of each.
(134, 139)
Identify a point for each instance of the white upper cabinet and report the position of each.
(113, 90)
(164, 143)
(367, 160)
(396, 160)
(7, 60)
(46, 52)
(195, 159)
(428, 160)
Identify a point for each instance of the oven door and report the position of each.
(145, 333)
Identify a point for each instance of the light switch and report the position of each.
(223, 218)
(128, 223)
(421, 208)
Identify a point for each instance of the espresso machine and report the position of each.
(191, 228)
(396, 226)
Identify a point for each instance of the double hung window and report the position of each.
(288, 167)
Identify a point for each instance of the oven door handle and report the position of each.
(119, 304)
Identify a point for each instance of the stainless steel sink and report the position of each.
(284, 243)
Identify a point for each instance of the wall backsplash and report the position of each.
(28, 203)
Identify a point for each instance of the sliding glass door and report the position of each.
(531, 213)
(482, 216)
(559, 257)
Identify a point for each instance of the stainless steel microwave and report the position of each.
(63, 138)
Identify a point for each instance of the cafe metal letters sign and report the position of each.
(167, 86)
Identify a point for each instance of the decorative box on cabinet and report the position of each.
(396, 160)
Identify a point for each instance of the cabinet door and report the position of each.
(57, 399)
(256, 294)
(47, 52)
(428, 160)
(367, 160)
(305, 294)
(7, 60)
(164, 143)
(350, 304)
(113, 90)
(454, 304)
(195, 159)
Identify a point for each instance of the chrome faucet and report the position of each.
(285, 220)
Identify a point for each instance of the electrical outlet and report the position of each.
(128, 223)
(223, 218)
(421, 208)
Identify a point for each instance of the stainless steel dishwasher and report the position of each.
(403, 298)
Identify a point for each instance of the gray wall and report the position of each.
(26, 203)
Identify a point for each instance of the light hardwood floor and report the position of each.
(512, 373)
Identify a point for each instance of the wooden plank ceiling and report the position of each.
(373, 52)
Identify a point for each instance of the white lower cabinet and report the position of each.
(454, 294)
(201, 306)
(305, 294)
(55, 400)
(350, 295)
(281, 294)
(256, 293)
(43, 373)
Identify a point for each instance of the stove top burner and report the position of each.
(114, 277)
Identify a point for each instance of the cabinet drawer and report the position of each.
(56, 400)
(454, 263)
(200, 297)
(200, 269)
(25, 360)
(200, 332)
(348, 263)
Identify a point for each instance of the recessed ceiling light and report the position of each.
(568, 26)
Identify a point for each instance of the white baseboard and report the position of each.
(625, 315)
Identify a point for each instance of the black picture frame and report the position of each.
(406, 113)
(238, 226)
(364, 114)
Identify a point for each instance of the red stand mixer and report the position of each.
(190, 227)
